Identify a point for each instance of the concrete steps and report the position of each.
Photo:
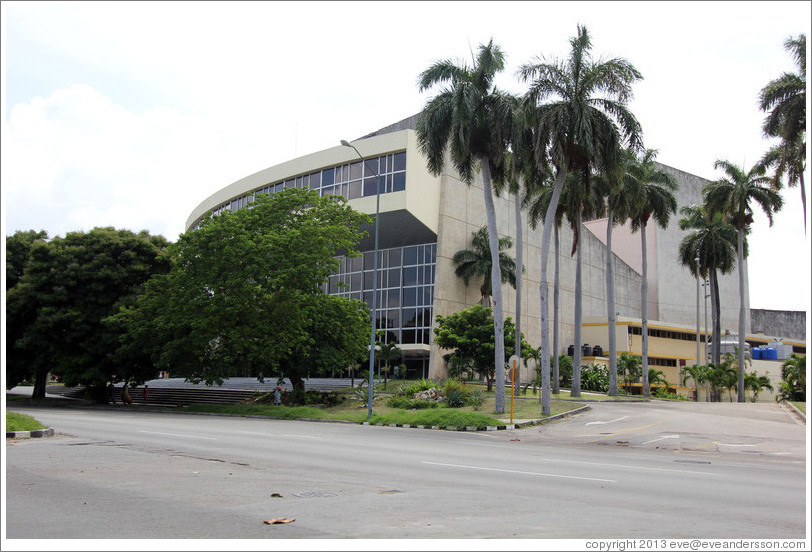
(168, 396)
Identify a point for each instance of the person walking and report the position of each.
(125, 394)
(146, 393)
(111, 393)
(277, 396)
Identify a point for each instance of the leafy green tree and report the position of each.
(475, 263)
(245, 294)
(731, 196)
(476, 121)
(657, 202)
(18, 251)
(584, 126)
(784, 101)
(57, 310)
(468, 334)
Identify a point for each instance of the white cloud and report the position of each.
(75, 160)
(131, 113)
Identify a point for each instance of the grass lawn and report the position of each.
(352, 410)
(21, 422)
(801, 406)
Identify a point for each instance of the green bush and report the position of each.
(301, 398)
(661, 393)
(475, 398)
(417, 387)
(594, 377)
(455, 398)
(410, 404)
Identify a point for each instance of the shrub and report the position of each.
(594, 377)
(661, 393)
(301, 398)
(417, 387)
(475, 398)
(455, 398)
(407, 403)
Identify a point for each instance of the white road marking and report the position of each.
(519, 472)
(609, 422)
(177, 435)
(661, 438)
(626, 467)
(278, 435)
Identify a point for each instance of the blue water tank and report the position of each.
(756, 353)
(770, 353)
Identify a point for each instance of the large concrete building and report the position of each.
(425, 219)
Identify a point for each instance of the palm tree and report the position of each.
(756, 383)
(784, 100)
(793, 374)
(623, 198)
(475, 120)
(713, 241)
(630, 367)
(658, 202)
(476, 263)
(698, 373)
(521, 170)
(656, 376)
(731, 196)
(388, 352)
(584, 126)
(579, 199)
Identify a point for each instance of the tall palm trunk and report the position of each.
(644, 311)
(610, 307)
(742, 327)
(803, 197)
(716, 348)
(496, 284)
(544, 290)
(575, 390)
(556, 313)
(519, 268)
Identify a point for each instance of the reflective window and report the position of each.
(351, 180)
(404, 294)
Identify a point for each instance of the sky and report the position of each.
(129, 114)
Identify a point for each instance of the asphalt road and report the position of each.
(620, 470)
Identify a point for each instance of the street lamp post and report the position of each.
(706, 294)
(374, 276)
(697, 306)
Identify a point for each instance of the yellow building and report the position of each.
(672, 346)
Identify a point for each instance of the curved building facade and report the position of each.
(426, 219)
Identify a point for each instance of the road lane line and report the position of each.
(519, 472)
(628, 467)
(278, 434)
(609, 422)
(625, 431)
(661, 438)
(177, 435)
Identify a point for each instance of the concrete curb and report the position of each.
(492, 428)
(36, 433)
(795, 409)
